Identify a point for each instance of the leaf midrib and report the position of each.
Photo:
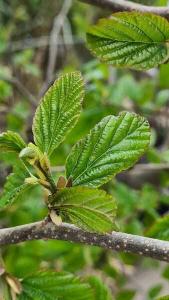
(83, 207)
(89, 166)
(128, 41)
(55, 124)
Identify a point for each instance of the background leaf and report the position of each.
(160, 229)
(11, 141)
(58, 286)
(101, 291)
(58, 112)
(14, 186)
(133, 40)
(126, 294)
(113, 145)
(164, 298)
(87, 208)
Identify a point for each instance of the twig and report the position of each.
(42, 41)
(151, 167)
(136, 169)
(67, 33)
(57, 26)
(117, 241)
(15, 81)
(124, 5)
(53, 43)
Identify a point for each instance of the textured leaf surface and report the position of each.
(14, 187)
(134, 40)
(58, 112)
(160, 229)
(113, 145)
(58, 286)
(87, 208)
(11, 141)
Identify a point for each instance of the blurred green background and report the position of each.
(39, 40)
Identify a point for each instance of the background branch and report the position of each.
(117, 241)
(21, 88)
(122, 5)
(58, 24)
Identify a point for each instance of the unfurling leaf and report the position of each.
(15, 186)
(113, 145)
(134, 40)
(14, 283)
(87, 208)
(58, 286)
(37, 159)
(11, 141)
(58, 112)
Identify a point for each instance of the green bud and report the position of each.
(31, 180)
(28, 153)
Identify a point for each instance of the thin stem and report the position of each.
(52, 183)
(49, 178)
(124, 5)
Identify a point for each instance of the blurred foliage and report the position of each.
(142, 194)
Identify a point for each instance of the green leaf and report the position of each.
(155, 291)
(135, 40)
(58, 286)
(160, 229)
(164, 298)
(58, 112)
(101, 290)
(11, 141)
(113, 145)
(14, 187)
(126, 294)
(87, 208)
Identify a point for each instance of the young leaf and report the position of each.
(58, 112)
(135, 40)
(160, 229)
(58, 286)
(14, 187)
(113, 145)
(87, 208)
(11, 141)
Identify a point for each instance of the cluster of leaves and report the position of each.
(113, 145)
(133, 40)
